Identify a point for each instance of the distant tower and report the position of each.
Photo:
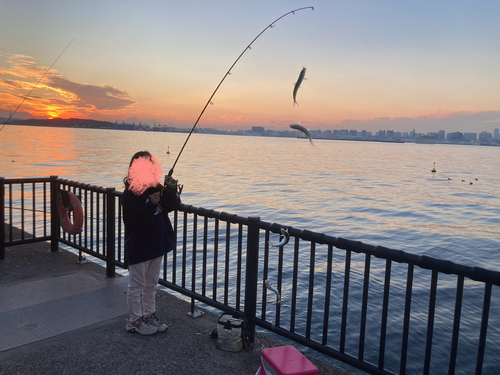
(496, 134)
(441, 135)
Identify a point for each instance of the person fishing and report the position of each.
(148, 237)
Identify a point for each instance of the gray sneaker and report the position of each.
(141, 326)
(155, 322)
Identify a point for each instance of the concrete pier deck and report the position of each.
(59, 317)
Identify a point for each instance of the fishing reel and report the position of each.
(170, 184)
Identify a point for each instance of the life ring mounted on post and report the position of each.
(69, 202)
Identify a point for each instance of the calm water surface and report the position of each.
(378, 193)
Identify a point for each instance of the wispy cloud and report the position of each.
(55, 95)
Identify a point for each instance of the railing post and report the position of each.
(2, 218)
(54, 215)
(252, 268)
(110, 232)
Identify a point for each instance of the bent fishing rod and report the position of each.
(271, 25)
(34, 87)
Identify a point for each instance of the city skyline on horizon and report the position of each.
(438, 134)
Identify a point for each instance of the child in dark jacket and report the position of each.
(148, 237)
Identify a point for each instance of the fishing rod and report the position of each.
(271, 25)
(34, 87)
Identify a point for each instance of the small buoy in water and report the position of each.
(434, 169)
(168, 151)
(449, 179)
(471, 183)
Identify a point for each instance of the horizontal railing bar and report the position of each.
(26, 180)
(26, 241)
(400, 256)
(232, 218)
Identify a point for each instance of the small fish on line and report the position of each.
(303, 130)
(273, 289)
(297, 85)
(284, 241)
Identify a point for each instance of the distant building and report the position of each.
(454, 137)
(353, 133)
(258, 129)
(432, 135)
(469, 137)
(496, 134)
(315, 133)
(485, 137)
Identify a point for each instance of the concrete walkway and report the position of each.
(59, 317)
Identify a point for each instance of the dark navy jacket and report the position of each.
(148, 231)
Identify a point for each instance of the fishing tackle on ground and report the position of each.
(34, 87)
(271, 25)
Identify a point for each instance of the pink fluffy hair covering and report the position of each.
(144, 173)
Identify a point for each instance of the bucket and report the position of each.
(229, 331)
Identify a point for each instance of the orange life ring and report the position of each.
(76, 226)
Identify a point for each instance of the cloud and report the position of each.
(23, 67)
(102, 97)
(55, 95)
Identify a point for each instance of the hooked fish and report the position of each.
(297, 85)
(284, 241)
(273, 289)
(303, 130)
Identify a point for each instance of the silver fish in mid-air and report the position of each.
(303, 130)
(273, 289)
(297, 85)
(284, 241)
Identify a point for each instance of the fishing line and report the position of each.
(34, 87)
(271, 25)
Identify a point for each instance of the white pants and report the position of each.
(141, 291)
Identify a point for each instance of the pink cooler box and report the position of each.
(285, 360)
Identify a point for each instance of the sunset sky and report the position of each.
(371, 65)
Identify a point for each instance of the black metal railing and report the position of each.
(361, 304)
